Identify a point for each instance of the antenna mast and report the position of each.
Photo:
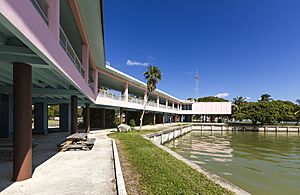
(197, 78)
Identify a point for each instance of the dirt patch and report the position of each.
(131, 176)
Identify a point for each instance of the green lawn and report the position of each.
(159, 172)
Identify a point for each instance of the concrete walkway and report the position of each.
(72, 172)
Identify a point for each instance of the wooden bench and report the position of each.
(77, 141)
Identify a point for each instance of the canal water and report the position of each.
(260, 163)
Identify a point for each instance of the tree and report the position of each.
(208, 99)
(238, 100)
(265, 97)
(153, 77)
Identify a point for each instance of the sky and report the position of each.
(240, 47)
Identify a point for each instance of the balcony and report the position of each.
(66, 45)
(135, 100)
(112, 98)
(42, 8)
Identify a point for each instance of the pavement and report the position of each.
(65, 173)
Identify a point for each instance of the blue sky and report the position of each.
(240, 47)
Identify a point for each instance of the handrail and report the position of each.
(40, 6)
(67, 46)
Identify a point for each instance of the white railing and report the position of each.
(151, 103)
(162, 106)
(106, 94)
(66, 45)
(135, 100)
(91, 85)
(42, 7)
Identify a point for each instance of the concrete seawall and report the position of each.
(164, 136)
(225, 127)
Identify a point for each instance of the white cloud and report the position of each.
(222, 95)
(107, 63)
(248, 98)
(135, 63)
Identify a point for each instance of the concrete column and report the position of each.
(154, 118)
(95, 77)
(157, 101)
(170, 118)
(74, 127)
(173, 105)
(41, 117)
(54, 17)
(4, 116)
(122, 116)
(167, 104)
(22, 114)
(10, 115)
(65, 117)
(103, 118)
(126, 92)
(163, 118)
(86, 118)
(85, 61)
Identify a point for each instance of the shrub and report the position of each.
(117, 121)
(132, 123)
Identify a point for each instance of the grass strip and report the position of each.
(160, 172)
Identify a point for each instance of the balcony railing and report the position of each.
(42, 7)
(150, 103)
(66, 45)
(135, 100)
(91, 84)
(162, 106)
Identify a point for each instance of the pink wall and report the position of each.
(37, 35)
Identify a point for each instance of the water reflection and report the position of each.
(262, 163)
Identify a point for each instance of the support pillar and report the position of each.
(163, 118)
(74, 127)
(103, 118)
(86, 118)
(22, 115)
(41, 117)
(154, 118)
(54, 17)
(4, 116)
(126, 92)
(157, 102)
(65, 117)
(122, 116)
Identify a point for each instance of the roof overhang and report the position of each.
(91, 12)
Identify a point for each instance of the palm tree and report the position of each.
(265, 98)
(153, 76)
(237, 101)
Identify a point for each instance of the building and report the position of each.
(52, 52)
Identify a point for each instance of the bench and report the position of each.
(77, 141)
